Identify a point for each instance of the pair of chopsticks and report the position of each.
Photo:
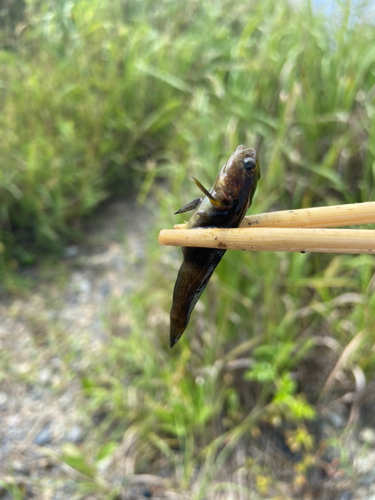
(303, 230)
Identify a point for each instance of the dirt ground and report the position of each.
(40, 406)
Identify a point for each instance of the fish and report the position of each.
(224, 205)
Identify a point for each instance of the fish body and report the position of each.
(225, 205)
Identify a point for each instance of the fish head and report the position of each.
(238, 178)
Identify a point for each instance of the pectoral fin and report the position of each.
(214, 201)
(189, 206)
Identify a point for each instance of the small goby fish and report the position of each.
(225, 205)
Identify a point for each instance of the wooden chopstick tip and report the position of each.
(165, 239)
(161, 237)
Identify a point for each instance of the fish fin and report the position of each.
(213, 200)
(189, 206)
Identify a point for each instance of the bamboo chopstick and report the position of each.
(274, 239)
(302, 230)
(333, 216)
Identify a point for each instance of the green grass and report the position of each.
(94, 94)
(91, 90)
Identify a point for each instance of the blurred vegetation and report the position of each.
(90, 90)
(95, 95)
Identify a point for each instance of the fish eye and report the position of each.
(249, 162)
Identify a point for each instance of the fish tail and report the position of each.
(194, 274)
(182, 306)
(176, 332)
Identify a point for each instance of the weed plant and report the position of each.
(96, 93)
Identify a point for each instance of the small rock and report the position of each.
(20, 468)
(24, 368)
(44, 376)
(105, 289)
(84, 286)
(14, 420)
(347, 495)
(45, 463)
(336, 419)
(3, 401)
(71, 251)
(367, 480)
(44, 436)
(56, 363)
(367, 436)
(75, 435)
(365, 464)
(66, 400)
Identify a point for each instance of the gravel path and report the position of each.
(39, 406)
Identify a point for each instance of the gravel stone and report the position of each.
(45, 376)
(337, 419)
(365, 463)
(3, 401)
(45, 435)
(20, 467)
(367, 435)
(75, 435)
(71, 251)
